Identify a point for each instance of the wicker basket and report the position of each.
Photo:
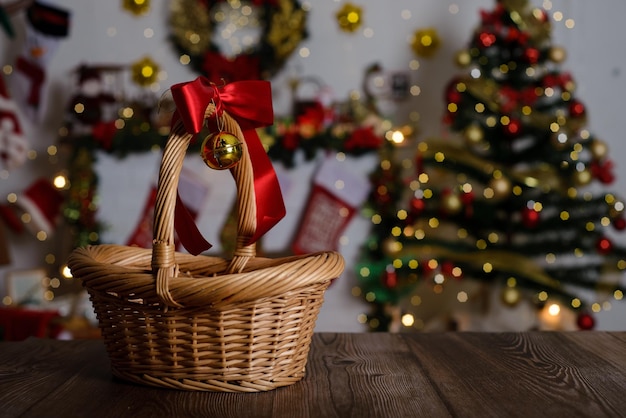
(175, 320)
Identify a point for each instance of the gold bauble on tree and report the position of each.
(425, 42)
(557, 54)
(473, 134)
(598, 149)
(616, 209)
(463, 58)
(451, 203)
(221, 151)
(501, 187)
(582, 178)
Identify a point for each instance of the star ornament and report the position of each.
(144, 72)
(425, 42)
(349, 17)
(136, 7)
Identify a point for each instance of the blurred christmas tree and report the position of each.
(513, 200)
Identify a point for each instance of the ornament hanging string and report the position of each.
(250, 104)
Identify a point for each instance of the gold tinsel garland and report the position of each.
(531, 177)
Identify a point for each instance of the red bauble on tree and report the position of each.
(467, 198)
(486, 39)
(619, 224)
(417, 206)
(452, 94)
(603, 171)
(530, 217)
(513, 128)
(447, 269)
(531, 55)
(604, 245)
(390, 277)
(576, 109)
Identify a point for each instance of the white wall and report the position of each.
(596, 60)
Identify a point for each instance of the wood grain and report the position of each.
(580, 374)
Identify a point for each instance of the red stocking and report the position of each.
(192, 191)
(334, 199)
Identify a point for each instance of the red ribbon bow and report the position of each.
(250, 104)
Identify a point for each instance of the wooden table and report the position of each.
(577, 374)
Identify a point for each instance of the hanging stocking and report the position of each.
(192, 191)
(41, 202)
(142, 234)
(46, 26)
(334, 199)
(13, 145)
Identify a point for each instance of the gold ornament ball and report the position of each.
(221, 151)
(473, 134)
(615, 213)
(582, 178)
(510, 296)
(463, 58)
(557, 54)
(501, 187)
(391, 246)
(425, 42)
(598, 149)
(616, 208)
(451, 203)
(349, 17)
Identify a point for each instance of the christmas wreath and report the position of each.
(279, 24)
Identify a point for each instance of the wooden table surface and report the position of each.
(537, 374)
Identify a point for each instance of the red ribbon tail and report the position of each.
(270, 207)
(187, 230)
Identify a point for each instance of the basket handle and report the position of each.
(164, 264)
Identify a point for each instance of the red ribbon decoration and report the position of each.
(242, 67)
(36, 75)
(250, 104)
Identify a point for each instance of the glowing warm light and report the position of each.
(397, 137)
(408, 320)
(554, 309)
(66, 272)
(60, 181)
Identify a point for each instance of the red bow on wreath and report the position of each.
(250, 104)
(242, 67)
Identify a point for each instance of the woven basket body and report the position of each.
(175, 320)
